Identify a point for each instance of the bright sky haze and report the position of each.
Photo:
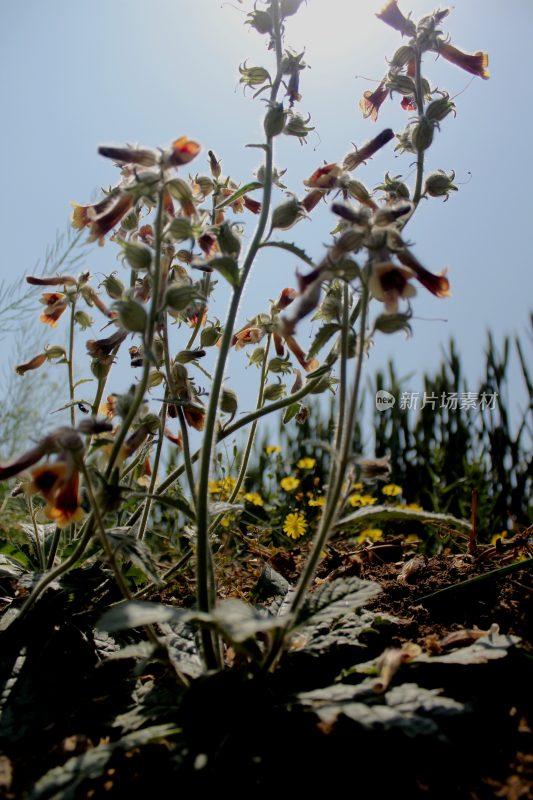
(75, 75)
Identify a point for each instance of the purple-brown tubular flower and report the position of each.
(391, 15)
(108, 219)
(475, 63)
(438, 285)
(365, 152)
(389, 283)
(371, 102)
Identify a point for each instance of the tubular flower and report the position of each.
(82, 216)
(324, 177)
(371, 102)
(251, 334)
(308, 364)
(182, 151)
(439, 285)
(58, 482)
(34, 363)
(475, 63)
(109, 218)
(195, 416)
(391, 15)
(102, 349)
(55, 303)
(59, 280)
(59, 485)
(365, 152)
(390, 283)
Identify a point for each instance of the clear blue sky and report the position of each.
(74, 75)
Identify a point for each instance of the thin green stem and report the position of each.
(70, 362)
(39, 546)
(205, 588)
(419, 97)
(332, 508)
(54, 544)
(155, 470)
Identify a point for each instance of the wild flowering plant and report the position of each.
(178, 231)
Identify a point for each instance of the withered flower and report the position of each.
(56, 305)
(365, 152)
(475, 63)
(34, 363)
(109, 218)
(438, 285)
(390, 283)
(391, 15)
(182, 151)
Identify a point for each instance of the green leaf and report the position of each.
(239, 193)
(322, 337)
(63, 782)
(291, 412)
(290, 247)
(136, 551)
(137, 613)
(177, 502)
(385, 514)
(343, 594)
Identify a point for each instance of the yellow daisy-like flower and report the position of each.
(414, 507)
(306, 463)
(392, 490)
(225, 522)
(289, 484)
(412, 538)
(273, 448)
(295, 525)
(357, 487)
(360, 500)
(214, 487)
(254, 498)
(318, 502)
(369, 534)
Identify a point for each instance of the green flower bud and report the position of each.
(391, 323)
(83, 320)
(287, 214)
(205, 184)
(422, 134)
(402, 84)
(130, 221)
(180, 381)
(138, 256)
(395, 188)
(257, 356)
(274, 120)
(274, 391)
(124, 403)
(180, 229)
(261, 21)
(228, 241)
(186, 356)
(98, 369)
(358, 191)
(113, 286)
(253, 76)
(155, 378)
(348, 241)
(185, 256)
(210, 335)
(439, 184)
(402, 56)
(439, 109)
(289, 7)
(229, 402)
(178, 297)
(53, 351)
(296, 125)
(132, 315)
(214, 164)
(279, 365)
(182, 192)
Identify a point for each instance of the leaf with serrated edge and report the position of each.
(291, 248)
(384, 514)
(343, 594)
(322, 337)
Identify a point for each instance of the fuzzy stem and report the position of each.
(70, 363)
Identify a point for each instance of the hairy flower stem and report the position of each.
(205, 579)
(251, 438)
(155, 469)
(419, 97)
(332, 507)
(70, 362)
(148, 337)
(278, 405)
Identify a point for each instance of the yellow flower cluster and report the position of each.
(360, 500)
(392, 490)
